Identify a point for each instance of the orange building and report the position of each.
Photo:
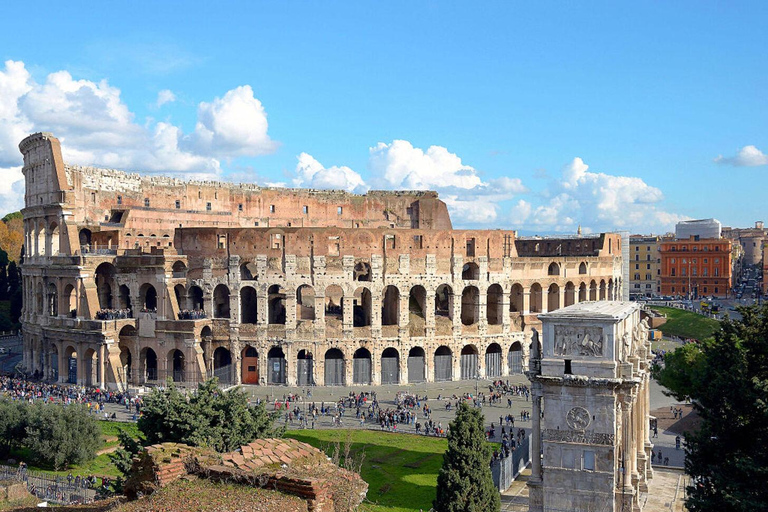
(696, 267)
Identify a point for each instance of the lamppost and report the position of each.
(477, 380)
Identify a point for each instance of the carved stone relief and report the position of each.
(578, 341)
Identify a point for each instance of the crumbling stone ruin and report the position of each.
(131, 280)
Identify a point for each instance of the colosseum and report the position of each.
(131, 280)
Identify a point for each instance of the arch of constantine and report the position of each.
(132, 280)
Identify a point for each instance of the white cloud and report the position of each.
(401, 165)
(97, 128)
(597, 201)
(312, 174)
(165, 96)
(11, 190)
(748, 156)
(234, 125)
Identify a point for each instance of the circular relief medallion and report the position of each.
(577, 418)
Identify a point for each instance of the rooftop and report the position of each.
(603, 309)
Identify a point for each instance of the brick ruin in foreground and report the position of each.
(131, 280)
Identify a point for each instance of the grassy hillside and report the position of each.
(687, 324)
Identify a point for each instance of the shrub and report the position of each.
(60, 435)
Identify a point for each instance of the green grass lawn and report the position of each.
(401, 469)
(687, 324)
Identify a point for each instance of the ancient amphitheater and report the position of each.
(132, 280)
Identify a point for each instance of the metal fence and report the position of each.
(505, 470)
(52, 488)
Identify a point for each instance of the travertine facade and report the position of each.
(132, 280)
(590, 376)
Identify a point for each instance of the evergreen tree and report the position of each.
(465, 483)
(62, 435)
(727, 380)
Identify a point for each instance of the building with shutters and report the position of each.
(644, 266)
(132, 280)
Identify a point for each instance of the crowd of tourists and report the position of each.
(191, 314)
(113, 314)
(94, 398)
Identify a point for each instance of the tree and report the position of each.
(122, 458)
(13, 424)
(727, 380)
(465, 483)
(221, 420)
(60, 435)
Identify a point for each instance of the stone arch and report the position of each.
(334, 305)
(148, 362)
(592, 290)
(444, 302)
(535, 298)
(470, 362)
(417, 365)
(69, 299)
(570, 294)
(470, 271)
(177, 364)
(305, 303)
(495, 305)
(443, 364)
(390, 366)
(362, 271)
(124, 297)
(181, 295)
(334, 367)
(126, 340)
(611, 291)
(179, 269)
(515, 358)
(361, 366)
(148, 298)
(305, 371)
(516, 298)
(390, 306)
(53, 300)
(221, 301)
(40, 299)
(470, 305)
(583, 292)
(554, 269)
(417, 307)
(222, 365)
(105, 284)
(195, 298)
(84, 237)
(90, 367)
(52, 240)
(493, 361)
(248, 305)
(276, 304)
(70, 356)
(276, 366)
(249, 365)
(363, 307)
(582, 268)
(553, 297)
(602, 289)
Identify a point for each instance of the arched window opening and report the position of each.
(362, 308)
(470, 305)
(305, 303)
(495, 305)
(362, 271)
(248, 311)
(276, 303)
(535, 298)
(221, 301)
(390, 308)
(470, 272)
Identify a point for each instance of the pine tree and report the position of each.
(465, 483)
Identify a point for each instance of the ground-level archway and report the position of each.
(148, 360)
(276, 366)
(222, 365)
(249, 366)
(390, 366)
(305, 368)
(334, 367)
(493, 361)
(416, 365)
(469, 362)
(361, 366)
(443, 364)
(515, 359)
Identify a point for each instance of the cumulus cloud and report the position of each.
(312, 174)
(470, 200)
(597, 201)
(11, 190)
(96, 127)
(165, 96)
(234, 125)
(748, 156)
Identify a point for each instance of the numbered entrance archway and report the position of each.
(390, 366)
(305, 369)
(249, 372)
(334, 367)
(469, 362)
(493, 361)
(416, 365)
(276, 366)
(361, 367)
(443, 364)
(515, 359)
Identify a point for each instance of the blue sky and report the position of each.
(531, 117)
